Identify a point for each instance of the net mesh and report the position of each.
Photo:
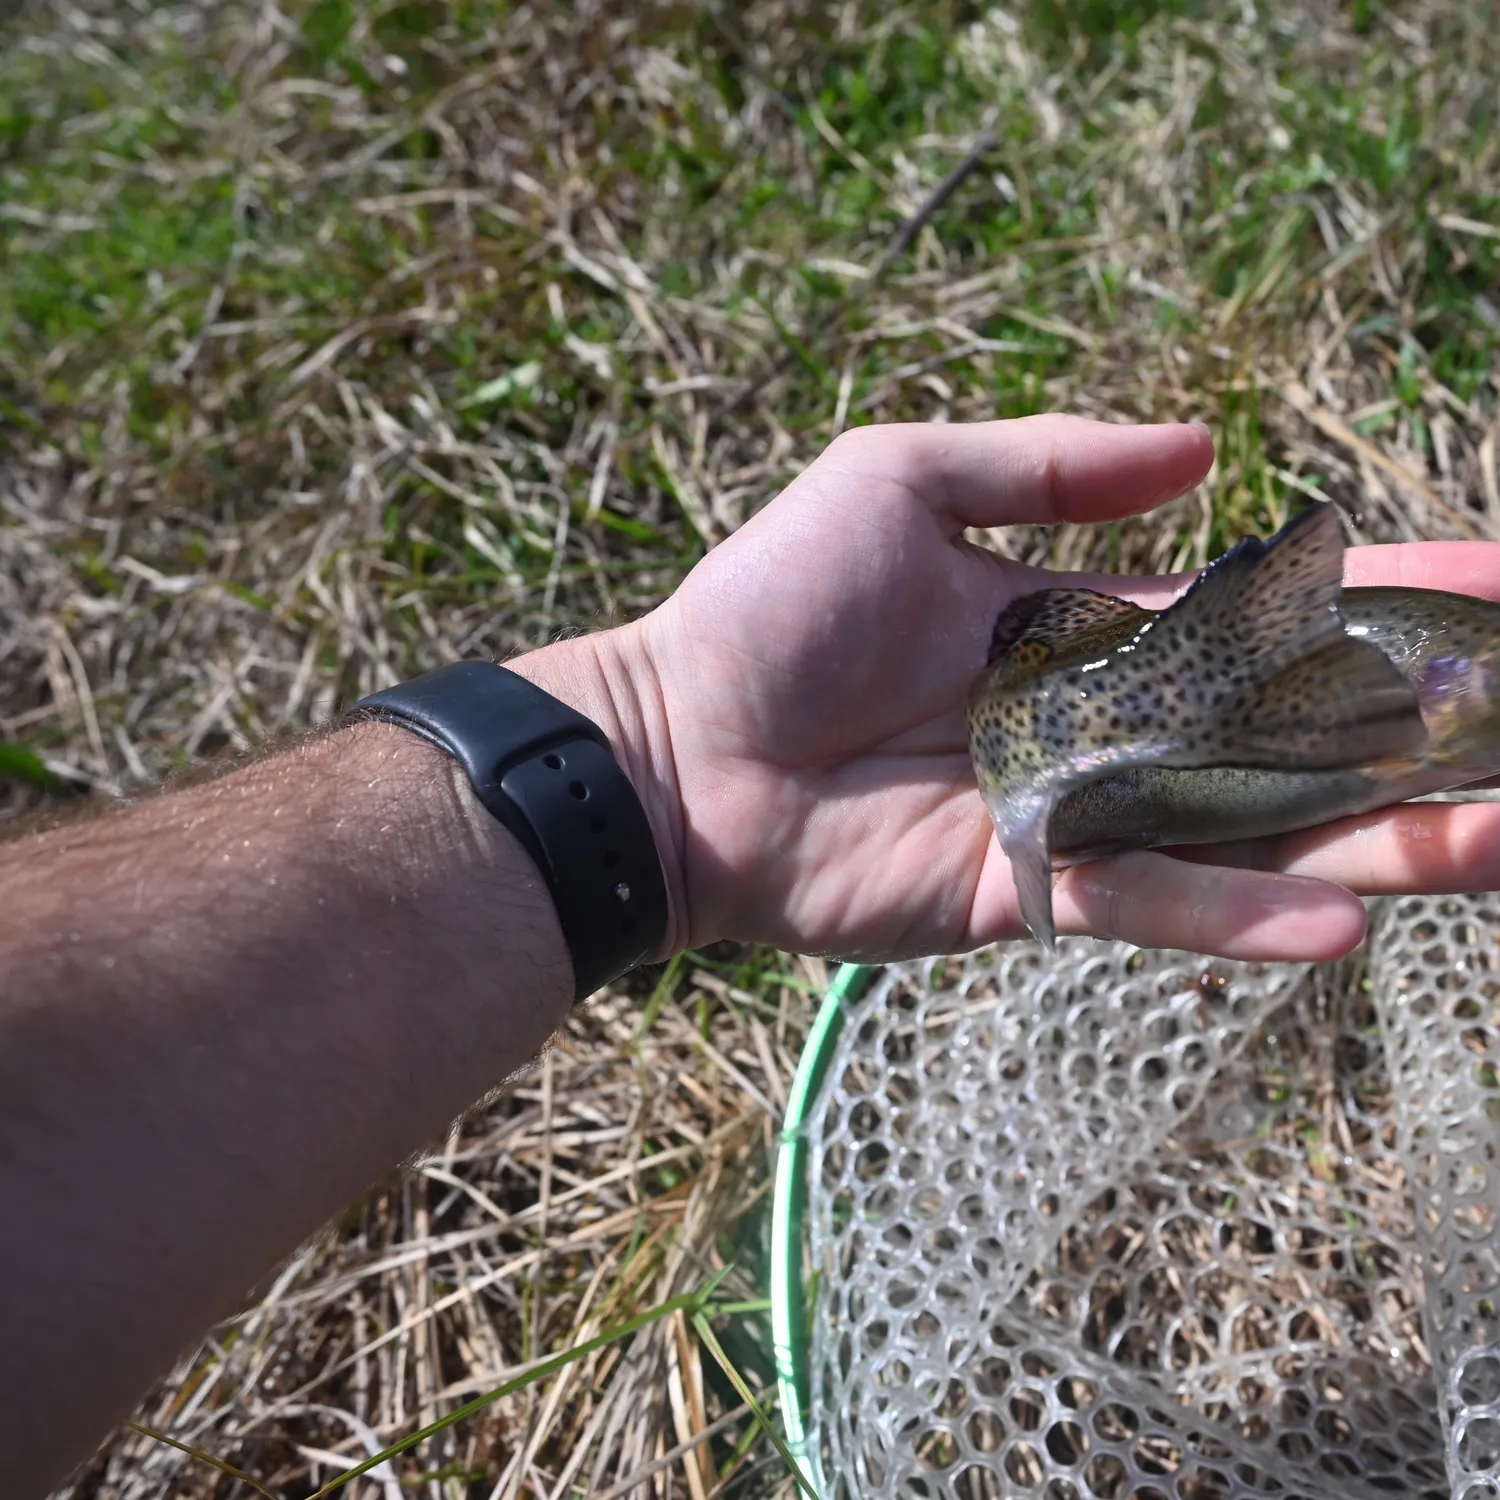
(1125, 1223)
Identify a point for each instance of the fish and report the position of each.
(1266, 699)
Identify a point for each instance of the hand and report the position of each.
(794, 715)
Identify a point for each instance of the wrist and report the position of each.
(609, 677)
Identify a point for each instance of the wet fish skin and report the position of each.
(1448, 648)
(1095, 699)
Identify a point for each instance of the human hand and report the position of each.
(794, 715)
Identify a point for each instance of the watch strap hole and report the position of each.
(512, 739)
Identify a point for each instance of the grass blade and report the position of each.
(202, 1456)
(20, 764)
(689, 1302)
(711, 1343)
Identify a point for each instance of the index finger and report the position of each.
(1412, 848)
(1456, 567)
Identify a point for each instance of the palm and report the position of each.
(825, 651)
(814, 669)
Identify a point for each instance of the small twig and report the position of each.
(899, 242)
(934, 201)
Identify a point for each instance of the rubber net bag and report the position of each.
(1136, 1223)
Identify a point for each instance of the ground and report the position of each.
(338, 339)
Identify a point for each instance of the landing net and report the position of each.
(1124, 1223)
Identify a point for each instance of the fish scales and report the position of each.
(1267, 698)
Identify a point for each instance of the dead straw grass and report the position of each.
(603, 1184)
(338, 340)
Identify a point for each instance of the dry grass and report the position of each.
(338, 339)
(604, 1185)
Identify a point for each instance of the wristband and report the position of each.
(546, 772)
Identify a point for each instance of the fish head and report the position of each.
(1025, 749)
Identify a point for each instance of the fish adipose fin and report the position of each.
(1250, 668)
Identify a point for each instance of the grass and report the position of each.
(340, 338)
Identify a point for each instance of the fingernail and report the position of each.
(1201, 426)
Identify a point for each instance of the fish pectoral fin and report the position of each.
(1021, 820)
(1342, 705)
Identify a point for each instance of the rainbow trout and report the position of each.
(1267, 698)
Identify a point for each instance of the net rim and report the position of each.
(789, 1330)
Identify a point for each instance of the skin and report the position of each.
(227, 1010)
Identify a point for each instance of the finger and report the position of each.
(1456, 567)
(1418, 848)
(1154, 901)
(1452, 567)
(1035, 469)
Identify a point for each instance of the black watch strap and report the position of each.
(547, 773)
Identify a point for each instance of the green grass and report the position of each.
(144, 148)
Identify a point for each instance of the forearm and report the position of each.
(223, 1014)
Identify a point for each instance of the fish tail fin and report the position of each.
(1267, 602)
(1343, 703)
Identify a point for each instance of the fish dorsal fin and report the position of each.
(1264, 604)
(1039, 628)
